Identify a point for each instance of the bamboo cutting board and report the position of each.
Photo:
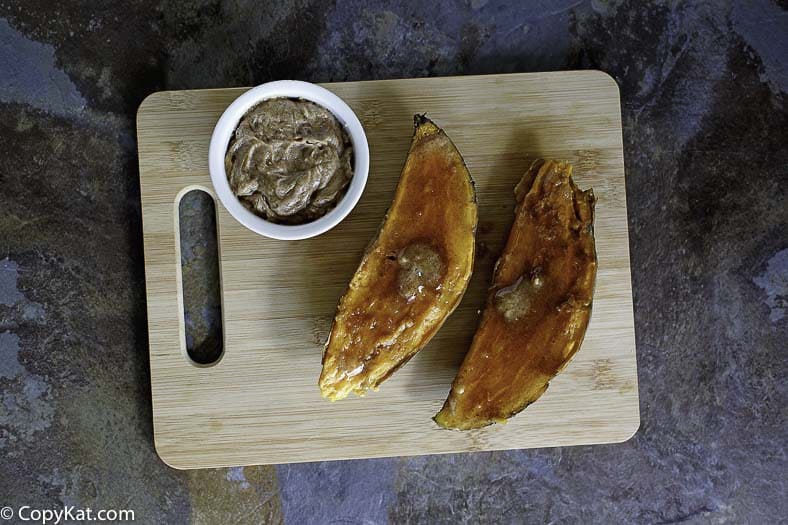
(260, 402)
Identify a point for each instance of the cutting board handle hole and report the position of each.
(200, 282)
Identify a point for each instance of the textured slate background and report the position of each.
(703, 89)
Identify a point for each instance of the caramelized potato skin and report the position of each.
(538, 307)
(377, 329)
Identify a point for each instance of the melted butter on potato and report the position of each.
(514, 301)
(420, 267)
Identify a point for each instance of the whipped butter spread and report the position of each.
(289, 160)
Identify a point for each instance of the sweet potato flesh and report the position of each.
(413, 274)
(539, 304)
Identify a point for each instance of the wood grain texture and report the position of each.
(260, 403)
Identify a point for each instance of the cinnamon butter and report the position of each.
(289, 160)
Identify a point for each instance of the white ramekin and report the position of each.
(229, 121)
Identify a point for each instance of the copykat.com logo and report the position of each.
(69, 513)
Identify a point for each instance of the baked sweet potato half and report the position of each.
(539, 304)
(413, 274)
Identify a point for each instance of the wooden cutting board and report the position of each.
(260, 403)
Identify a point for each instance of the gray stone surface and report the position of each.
(705, 126)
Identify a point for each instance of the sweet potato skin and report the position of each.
(376, 330)
(539, 304)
